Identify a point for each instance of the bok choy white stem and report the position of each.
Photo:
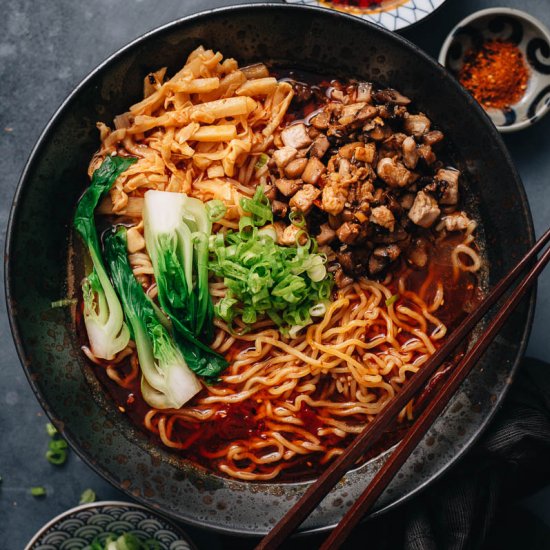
(167, 382)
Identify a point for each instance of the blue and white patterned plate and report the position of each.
(77, 528)
(394, 15)
(533, 40)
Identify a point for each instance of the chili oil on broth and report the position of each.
(284, 409)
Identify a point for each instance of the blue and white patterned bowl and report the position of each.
(77, 528)
(395, 15)
(533, 40)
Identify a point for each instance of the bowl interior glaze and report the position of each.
(37, 257)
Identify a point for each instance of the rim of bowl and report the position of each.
(21, 188)
(518, 14)
(393, 11)
(101, 504)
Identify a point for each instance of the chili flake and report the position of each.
(496, 74)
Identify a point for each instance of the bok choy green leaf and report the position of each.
(103, 316)
(166, 382)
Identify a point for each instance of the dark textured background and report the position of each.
(46, 48)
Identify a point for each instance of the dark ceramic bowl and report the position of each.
(37, 257)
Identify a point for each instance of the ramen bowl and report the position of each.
(38, 252)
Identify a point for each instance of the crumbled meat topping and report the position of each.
(296, 136)
(303, 199)
(457, 221)
(394, 173)
(288, 187)
(424, 210)
(295, 168)
(363, 169)
(383, 216)
(450, 192)
(283, 156)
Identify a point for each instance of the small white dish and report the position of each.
(532, 39)
(393, 15)
(78, 528)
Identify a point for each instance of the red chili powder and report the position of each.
(496, 74)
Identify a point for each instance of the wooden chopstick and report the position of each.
(375, 429)
(430, 413)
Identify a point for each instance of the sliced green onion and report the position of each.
(51, 429)
(58, 445)
(258, 207)
(294, 331)
(269, 230)
(262, 161)
(215, 210)
(318, 310)
(38, 491)
(264, 279)
(56, 457)
(87, 496)
(245, 223)
(297, 219)
(63, 303)
(391, 300)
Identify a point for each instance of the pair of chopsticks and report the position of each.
(375, 429)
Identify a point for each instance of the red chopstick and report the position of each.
(430, 413)
(375, 429)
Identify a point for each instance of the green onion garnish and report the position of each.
(38, 491)
(391, 300)
(63, 303)
(262, 161)
(57, 447)
(258, 207)
(263, 279)
(57, 458)
(297, 219)
(215, 210)
(88, 495)
(51, 429)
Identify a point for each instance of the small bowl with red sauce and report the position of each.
(502, 57)
(393, 15)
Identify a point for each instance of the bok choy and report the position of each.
(177, 230)
(103, 318)
(166, 382)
